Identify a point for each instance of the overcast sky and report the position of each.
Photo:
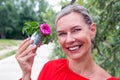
(55, 4)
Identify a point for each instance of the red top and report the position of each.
(59, 70)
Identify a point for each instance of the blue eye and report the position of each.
(76, 30)
(61, 34)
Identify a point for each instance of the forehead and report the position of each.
(71, 19)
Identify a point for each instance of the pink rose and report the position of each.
(45, 29)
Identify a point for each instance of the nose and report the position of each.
(69, 38)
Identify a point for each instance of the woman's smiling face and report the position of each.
(74, 35)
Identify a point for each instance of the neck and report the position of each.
(83, 66)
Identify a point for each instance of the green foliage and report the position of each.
(106, 15)
(30, 27)
(6, 17)
(107, 42)
(14, 13)
(106, 46)
(57, 51)
(45, 14)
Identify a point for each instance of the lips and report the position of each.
(73, 48)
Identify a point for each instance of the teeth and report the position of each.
(73, 48)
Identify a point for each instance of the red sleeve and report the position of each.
(47, 71)
(58, 70)
(42, 73)
(22, 79)
(113, 78)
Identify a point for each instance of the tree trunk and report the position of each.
(2, 35)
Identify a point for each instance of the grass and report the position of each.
(8, 54)
(6, 43)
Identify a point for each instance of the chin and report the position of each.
(77, 56)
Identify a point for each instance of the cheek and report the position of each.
(83, 37)
(61, 41)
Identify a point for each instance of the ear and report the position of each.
(93, 31)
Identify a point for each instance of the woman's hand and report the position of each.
(25, 57)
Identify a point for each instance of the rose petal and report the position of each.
(45, 29)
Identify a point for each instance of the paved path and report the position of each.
(10, 70)
(8, 49)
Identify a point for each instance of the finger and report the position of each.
(23, 42)
(40, 43)
(29, 57)
(34, 50)
(26, 60)
(27, 51)
(25, 46)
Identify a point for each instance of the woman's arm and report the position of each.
(25, 57)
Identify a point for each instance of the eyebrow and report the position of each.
(76, 26)
(71, 28)
(59, 31)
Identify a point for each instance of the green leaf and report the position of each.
(30, 27)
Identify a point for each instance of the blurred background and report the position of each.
(105, 13)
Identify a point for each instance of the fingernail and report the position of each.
(28, 38)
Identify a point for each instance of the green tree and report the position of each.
(14, 13)
(26, 13)
(7, 12)
(106, 46)
(107, 42)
